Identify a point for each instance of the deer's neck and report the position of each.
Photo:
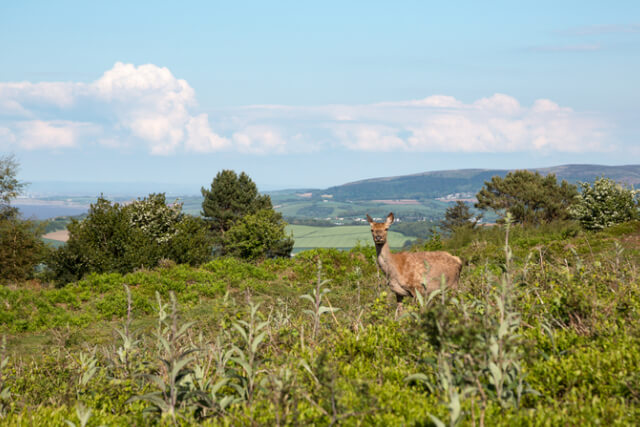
(385, 260)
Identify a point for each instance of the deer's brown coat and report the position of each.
(406, 271)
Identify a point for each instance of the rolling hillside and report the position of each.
(436, 184)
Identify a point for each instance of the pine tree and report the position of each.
(243, 222)
(530, 197)
(458, 215)
(230, 198)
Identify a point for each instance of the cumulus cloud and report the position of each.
(36, 134)
(439, 123)
(139, 104)
(147, 105)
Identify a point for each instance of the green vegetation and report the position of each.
(146, 329)
(604, 204)
(241, 221)
(344, 237)
(528, 196)
(121, 238)
(458, 215)
(430, 185)
(544, 329)
(21, 248)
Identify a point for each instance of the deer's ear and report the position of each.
(369, 219)
(390, 218)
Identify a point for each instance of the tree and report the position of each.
(230, 198)
(21, 248)
(259, 235)
(530, 197)
(10, 187)
(604, 204)
(121, 238)
(242, 222)
(458, 215)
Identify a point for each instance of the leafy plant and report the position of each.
(604, 204)
(171, 375)
(315, 298)
(252, 334)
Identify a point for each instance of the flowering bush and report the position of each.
(604, 204)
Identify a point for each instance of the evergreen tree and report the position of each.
(231, 197)
(458, 215)
(243, 222)
(530, 197)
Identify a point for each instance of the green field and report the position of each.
(341, 237)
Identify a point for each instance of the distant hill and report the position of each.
(430, 185)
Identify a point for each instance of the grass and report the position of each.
(345, 236)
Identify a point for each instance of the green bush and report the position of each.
(604, 204)
(122, 238)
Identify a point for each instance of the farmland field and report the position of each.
(341, 237)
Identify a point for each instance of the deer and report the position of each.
(411, 272)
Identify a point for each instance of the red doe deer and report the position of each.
(406, 272)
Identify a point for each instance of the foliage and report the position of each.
(258, 235)
(458, 215)
(230, 198)
(21, 248)
(121, 238)
(530, 197)
(243, 222)
(155, 218)
(10, 187)
(551, 309)
(604, 204)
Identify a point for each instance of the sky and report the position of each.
(314, 94)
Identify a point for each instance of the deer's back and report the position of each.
(413, 271)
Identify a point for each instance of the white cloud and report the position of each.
(201, 138)
(259, 140)
(36, 134)
(147, 105)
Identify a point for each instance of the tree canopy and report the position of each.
(530, 197)
(116, 237)
(604, 204)
(10, 187)
(21, 248)
(231, 197)
(458, 215)
(243, 222)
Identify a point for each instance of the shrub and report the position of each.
(119, 238)
(604, 204)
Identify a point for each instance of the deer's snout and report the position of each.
(378, 238)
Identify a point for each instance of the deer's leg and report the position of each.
(399, 306)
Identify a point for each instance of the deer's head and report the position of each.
(379, 229)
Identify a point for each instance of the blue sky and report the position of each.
(302, 94)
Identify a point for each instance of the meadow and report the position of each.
(341, 237)
(544, 329)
